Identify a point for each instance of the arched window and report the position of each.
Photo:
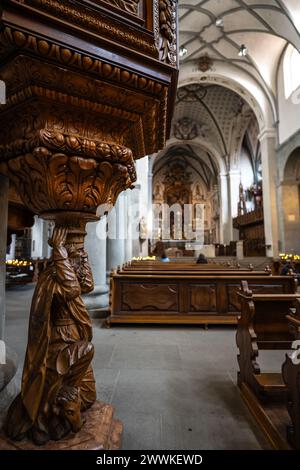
(291, 67)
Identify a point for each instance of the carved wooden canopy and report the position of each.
(90, 88)
(113, 75)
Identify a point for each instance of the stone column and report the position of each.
(240, 249)
(269, 173)
(225, 215)
(133, 218)
(95, 245)
(234, 182)
(12, 248)
(128, 222)
(150, 200)
(115, 255)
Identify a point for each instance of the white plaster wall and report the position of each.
(289, 111)
(291, 214)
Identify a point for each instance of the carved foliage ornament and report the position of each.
(128, 5)
(49, 179)
(167, 27)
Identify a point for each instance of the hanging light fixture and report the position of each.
(219, 22)
(182, 51)
(243, 51)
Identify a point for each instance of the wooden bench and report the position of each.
(189, 265)
(291, 377)
(184, 298)
(141, 268)
(189, 271)
(263, 325)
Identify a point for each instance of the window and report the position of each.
(291, 67)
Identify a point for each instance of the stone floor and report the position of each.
(173, 387)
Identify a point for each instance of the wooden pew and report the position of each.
(185, 299)
(291, 377)
(137, 270)
(189, 265)
(263, 325)
(139, 267)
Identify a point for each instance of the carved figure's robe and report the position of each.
(58, 319)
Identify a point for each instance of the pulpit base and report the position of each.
(100, 432)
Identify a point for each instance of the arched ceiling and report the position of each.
(265, 27)
(200, 161)
(215, 117)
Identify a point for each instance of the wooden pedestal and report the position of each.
(100, 432)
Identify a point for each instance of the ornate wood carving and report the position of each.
(50, 179)
(58, 381)
(167, 26)
(86, 95)
(96, 21)
(128, 5)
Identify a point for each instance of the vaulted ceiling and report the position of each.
(196, 159)
(215, 119)
(265, 27)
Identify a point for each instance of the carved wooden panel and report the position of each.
(149, 297)
(232, 296)
(128, 5)
(203, 298)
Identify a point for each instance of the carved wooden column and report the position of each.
(90, 88)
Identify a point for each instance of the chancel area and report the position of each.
(150, 217)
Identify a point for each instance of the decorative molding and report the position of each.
(139, 117)
(46, 49)
(96, 22)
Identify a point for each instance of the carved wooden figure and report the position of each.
(58, 379)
